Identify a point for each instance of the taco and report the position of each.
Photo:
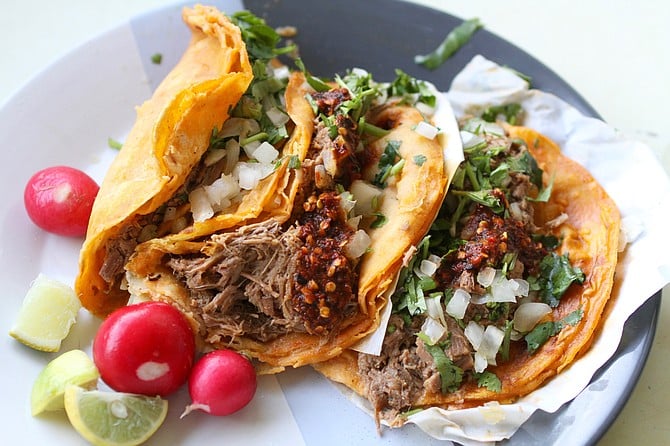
(297, 290)
(507, 289)
(208, 149)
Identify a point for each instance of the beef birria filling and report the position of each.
(267, 279)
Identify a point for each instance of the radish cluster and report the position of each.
(149, 349)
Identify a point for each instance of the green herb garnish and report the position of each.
(556, 275)
(387, 162)
(157, 58)
(542, 332)
(114, 144)
(488, 380)
(458, 37)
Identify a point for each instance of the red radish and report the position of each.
(59, 200)
(221, 383)
(146, 348)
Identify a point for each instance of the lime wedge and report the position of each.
(73, 367)
(114, 418)
(47, 313)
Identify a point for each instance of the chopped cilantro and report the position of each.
(157, 58)
(509, 112)
(556, 275)
(387, 162)
(489, 380)
(420, 159)
(542, 332)
(114, 144)
(456, 38)
(409, 88)
(409, 294)
(451, 375)
(294, 162)
(380, 220)
(261, 40)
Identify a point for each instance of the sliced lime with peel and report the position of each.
(47, 313)
(70, 368)
(114, 418)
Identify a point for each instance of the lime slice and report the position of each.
(114, 418)
(73, 367)
(47, 313)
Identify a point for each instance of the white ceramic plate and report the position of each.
(66, 115)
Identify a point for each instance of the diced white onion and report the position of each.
(503, 290)
(366, 196)
(347, 201)
(458, 304)
(480, 362)
(428, 268)
(214, 156)
(200, 205)
(435, 259)
(523, 287)
(361, 72)
(266, 153)
(354, 222)
(249, 174)
(329, 161)
(527, 315)
(485, 276)
(491, 342)
(357, 245)
(481, 299)
(222, 189)
(281, 72)
(250, 148)
(242, 127)
(492, 128)
(474, 333)
(470, 139)
(434, 309)
(425, 109)
(426, 130)
(433, 330)
(277, 116)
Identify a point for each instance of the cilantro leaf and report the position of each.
(489, 380)
(387, 161)
(556, 275)
(456, 38)
(420, 159)
(542, 332)
(261, 40)
(408, 87)
(510, 113)
(451, 375)
(114, 144)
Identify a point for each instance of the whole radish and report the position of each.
(59, 199)
(221, 383)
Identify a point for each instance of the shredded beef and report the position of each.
(240, 284)
(394, 380)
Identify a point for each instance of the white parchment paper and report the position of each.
(633, 177)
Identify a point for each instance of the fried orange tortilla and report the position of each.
(409, 204)
(589, 233)
(165, 146)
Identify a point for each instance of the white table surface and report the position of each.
(616, 53)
